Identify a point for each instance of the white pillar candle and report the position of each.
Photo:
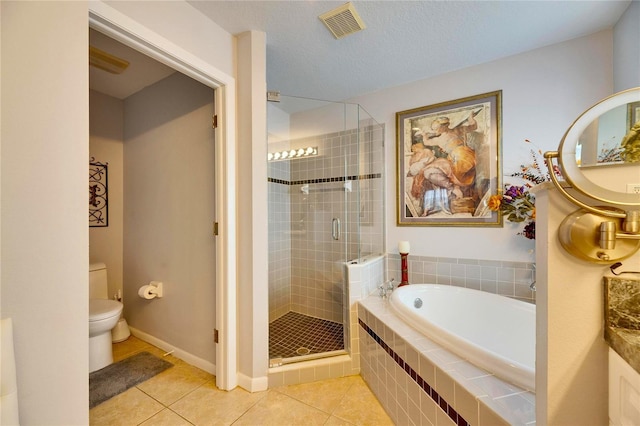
(403, 247)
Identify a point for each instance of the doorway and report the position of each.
(111, 23)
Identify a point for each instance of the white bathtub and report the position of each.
(493, 332)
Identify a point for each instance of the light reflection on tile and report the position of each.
(174, 383)
(130, 407)
(166, 417)
(519, 410)
(495, 387)
(210, 405)
(278, 409)
(360, 407)
(469, 371)
(444, 357)
(325, 395)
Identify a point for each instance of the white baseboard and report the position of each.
(177, 352)
(256, 384)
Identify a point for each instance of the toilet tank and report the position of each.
(98, 281)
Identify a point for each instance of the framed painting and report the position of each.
(449, 162)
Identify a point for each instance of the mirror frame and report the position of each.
(572, 173)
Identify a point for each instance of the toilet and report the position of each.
(103, 317)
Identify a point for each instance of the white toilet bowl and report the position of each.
(103, 316)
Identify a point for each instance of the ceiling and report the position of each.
(403, 41)
(141, 72)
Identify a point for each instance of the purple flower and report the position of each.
(515, 191)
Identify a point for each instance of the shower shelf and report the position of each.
(346, 186)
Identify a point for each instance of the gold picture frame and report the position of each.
(449, 162)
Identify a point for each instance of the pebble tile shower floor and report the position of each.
(295, 334)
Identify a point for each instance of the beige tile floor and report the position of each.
(186, 395)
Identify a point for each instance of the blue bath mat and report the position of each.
(122, 375)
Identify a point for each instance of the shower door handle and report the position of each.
(335, 228)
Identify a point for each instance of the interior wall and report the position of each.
(185, 26)
(106, 145)
(543, 91)
(626, 54)
(169, 212)
(44, 235)
(45, 143)
(253, 285)
(571, 357)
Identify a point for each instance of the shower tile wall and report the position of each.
(368, 209)
(317, 270)
(279, 240)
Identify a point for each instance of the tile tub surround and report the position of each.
(511, 279)
(622, 318)
(417, 381)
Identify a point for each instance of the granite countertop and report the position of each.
(622, 318)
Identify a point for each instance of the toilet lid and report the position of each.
(100, 309)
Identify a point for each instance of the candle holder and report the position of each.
(405, 269)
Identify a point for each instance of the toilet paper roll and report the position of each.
(147, 292)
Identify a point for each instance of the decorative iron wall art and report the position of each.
(98, 205)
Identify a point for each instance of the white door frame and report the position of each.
(129, 32)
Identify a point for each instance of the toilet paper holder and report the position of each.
(151, 290)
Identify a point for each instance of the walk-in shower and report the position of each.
(326, 165)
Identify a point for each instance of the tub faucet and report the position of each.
(385, 289)
(532, 286)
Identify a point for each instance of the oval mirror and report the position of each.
(600, 153)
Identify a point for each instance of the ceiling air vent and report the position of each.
(343, 21)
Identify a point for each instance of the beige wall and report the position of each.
(169, 201)
(543, 91)
(253, 292)
(43, 171)
(44, 235)
(106, 146)
(626, 54)
(571, 357)
(184, 26)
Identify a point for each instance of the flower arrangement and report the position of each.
(515, 202)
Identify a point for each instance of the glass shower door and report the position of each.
(309, 230)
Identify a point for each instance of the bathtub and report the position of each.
(493, 332)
